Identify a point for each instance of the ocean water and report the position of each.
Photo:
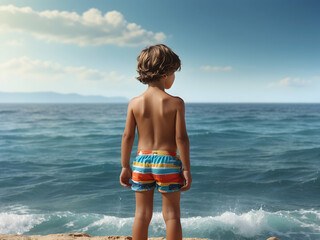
(255, 171)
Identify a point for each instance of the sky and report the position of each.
(231, 51)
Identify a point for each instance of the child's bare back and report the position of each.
(155, 114)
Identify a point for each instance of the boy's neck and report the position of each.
(158, 85)
(155, 88)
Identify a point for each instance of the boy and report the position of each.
(160, 122)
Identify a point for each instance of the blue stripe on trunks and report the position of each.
(155, 170)
(157, 159)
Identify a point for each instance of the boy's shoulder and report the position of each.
(135, 100)
(138, 105)
(178, 101)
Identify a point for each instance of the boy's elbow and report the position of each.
(128, 136)
(182, 139)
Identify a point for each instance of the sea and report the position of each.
(255, 170)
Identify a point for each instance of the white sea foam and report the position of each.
(11, 223)
(247, 224)
(111, 222)
(254, 223)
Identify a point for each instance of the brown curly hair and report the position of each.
(156, 60)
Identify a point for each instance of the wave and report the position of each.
(224, 133)
(314, 131)
(252, 224)
(304, 153)
(54, 138)
(8, 111)
(237, 120)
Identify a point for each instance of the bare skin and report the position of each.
(160, 121)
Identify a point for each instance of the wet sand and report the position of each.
(82, 236)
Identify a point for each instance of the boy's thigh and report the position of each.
(144, 205)
(144, 199)
(171, 204)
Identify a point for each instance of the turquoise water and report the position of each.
(255, 171)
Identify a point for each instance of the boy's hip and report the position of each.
(157, 153)
(157, 158)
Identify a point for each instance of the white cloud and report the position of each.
(15, 43)
(290, 82)
(26, 68)
(216, 68)
(90, 28)
(32, 75)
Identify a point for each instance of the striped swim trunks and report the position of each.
(157, 169)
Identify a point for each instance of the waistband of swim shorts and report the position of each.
(156, 152)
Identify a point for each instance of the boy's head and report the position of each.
(156, 60)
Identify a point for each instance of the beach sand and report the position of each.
(80, 236)
(72, 236)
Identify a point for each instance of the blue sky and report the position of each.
(231, 51)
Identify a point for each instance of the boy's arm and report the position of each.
(182, 138)
(182, 141)
(126, 146)
(128, 137)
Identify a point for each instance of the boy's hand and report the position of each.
(125, 176)
(188, 179)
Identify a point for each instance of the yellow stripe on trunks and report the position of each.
(169, 165)
(156, 152)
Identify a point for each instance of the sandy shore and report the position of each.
(71, 236)
(81, 236)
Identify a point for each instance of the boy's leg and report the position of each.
(143, 215)
(171, 215)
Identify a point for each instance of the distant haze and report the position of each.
(53, 97)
